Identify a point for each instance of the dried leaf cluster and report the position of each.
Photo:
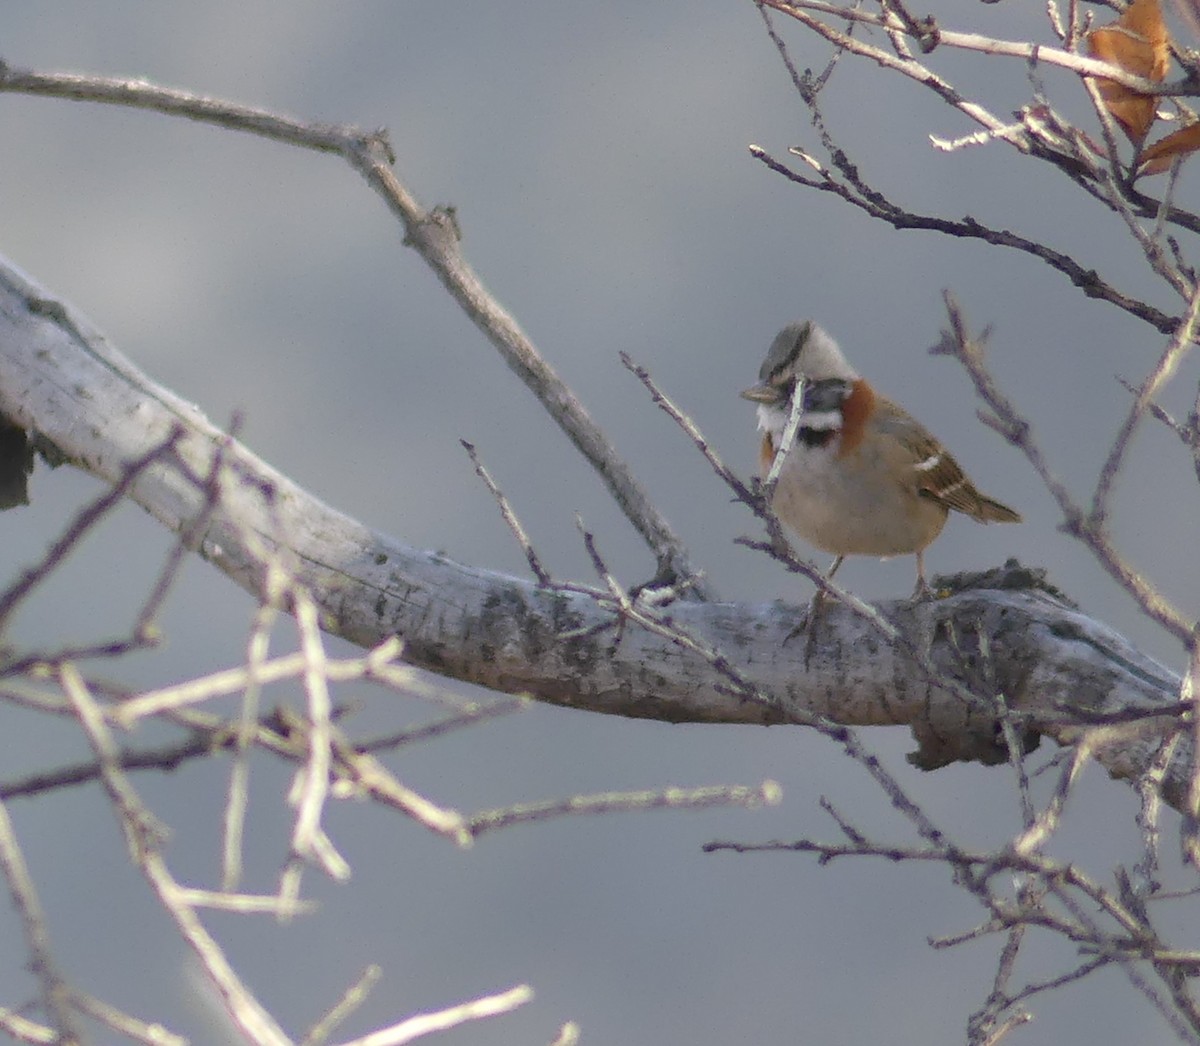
(1139, 43)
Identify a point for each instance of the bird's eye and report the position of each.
(827, 395)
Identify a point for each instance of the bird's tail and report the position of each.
(991, 511)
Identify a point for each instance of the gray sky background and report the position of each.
(597, 157)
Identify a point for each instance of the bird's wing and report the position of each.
(934, 472)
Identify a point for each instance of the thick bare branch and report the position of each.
(556, 644)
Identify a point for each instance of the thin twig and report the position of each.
(314, 782)
(1189, 690)
(150, 1034)
(56, 996)
(568, 1035)
(97, 510)
(1168, 363)
(231, 680)
(237, 799)
(363, 773)
(351, 1000)
(662, 400)
(22, 1029)
(510, 517)
(430, 1023)
(1146, 871)
(766, 794)
(189, 536)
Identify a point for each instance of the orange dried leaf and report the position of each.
(1133, 111)
(1159, 157)
(1137, 42)
(1144, 18)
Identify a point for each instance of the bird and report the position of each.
(862, 476)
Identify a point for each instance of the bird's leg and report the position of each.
(814, 607)
(814, 611)
(922, 589)
(818, 598)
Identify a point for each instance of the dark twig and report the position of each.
(1130, 938)
(87, 518)
(469, 716)
(1087, 280)
(55, 995)
(1146, 871)
(661, 400)
(1168, 363)
(190, 536)
(1157, 412)
(1190, 691)
(1006, 420)
(510, 517)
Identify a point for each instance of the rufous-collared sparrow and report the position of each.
(862, 476)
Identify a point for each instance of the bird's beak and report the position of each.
(761, 393)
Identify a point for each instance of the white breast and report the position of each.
(854, 505)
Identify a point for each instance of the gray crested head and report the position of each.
(803, 348)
